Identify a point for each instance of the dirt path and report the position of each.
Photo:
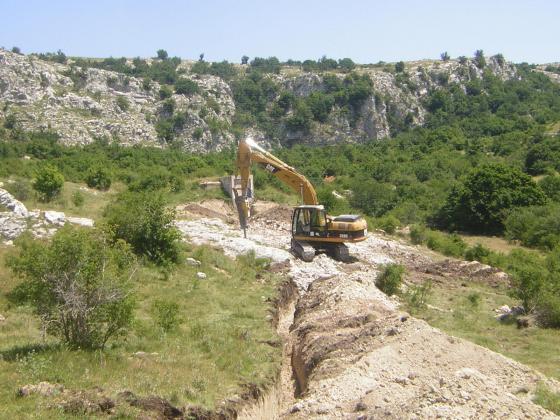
(354, 354)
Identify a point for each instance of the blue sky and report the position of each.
(366, 31)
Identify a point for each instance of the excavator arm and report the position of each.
(247, 153)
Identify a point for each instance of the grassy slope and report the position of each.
(536, 347)
(219, 344)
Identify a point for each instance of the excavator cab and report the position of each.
(309, 221)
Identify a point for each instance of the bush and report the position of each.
(418, 235)
(142, 220)
(98, 177)
(78, 284)
(48, 182)
(165, 92)
(123, 103)
(389, 280)
(166, 314)
(417, 295)
(450, 245)
(551, 187)
(535, 226)
(477, 253)
(399, 67)
(78, 198)
(19, 189)
(388, 224)
(186, 87)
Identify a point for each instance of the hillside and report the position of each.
(81, 102)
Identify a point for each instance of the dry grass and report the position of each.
(493, 243)
(221, 340)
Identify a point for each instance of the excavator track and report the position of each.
(341, 253)
(303, 250)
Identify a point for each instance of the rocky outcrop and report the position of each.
(83, 104)
(18, 219)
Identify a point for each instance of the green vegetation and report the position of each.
(221, 332)
(547, 399)
(48, 182)
(389, 280)
(77, 284)
(143, 221)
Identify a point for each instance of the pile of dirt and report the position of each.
(456, 269)
(358, 356)
(212, 208)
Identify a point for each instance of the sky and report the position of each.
(366, 31)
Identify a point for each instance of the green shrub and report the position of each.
(78, 284)
(98, 177)
(389, 280)
(19, 189)
(143, 220)
(388, 224)
(450, 245)
(417, 296)
(186, 87)
(166, 314)
(473, 299)
(535, 226)
(48, 182)
(165, 92)
(123, 103)
(78, 198)
(198, 132)
(418, 234)
(477, 253)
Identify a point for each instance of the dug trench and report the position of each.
(350, 352)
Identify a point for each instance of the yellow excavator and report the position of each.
(313, 230)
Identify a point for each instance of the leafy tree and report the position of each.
(399, 67)
(537, 226)
(373, 197)
(48, 182)
(346, 64)
(320, 105)
(551, 186)
(244, 59)
(543, 155)
(483, 200)
(98, 177)
(500, 59)
(16, 50)
(162, 54)
(462, 60)
(143, 220)
(201, 57)
(444, 56)
(301, 118)
(78, 284)
(479, 59)
(266, 65)
(186, 87)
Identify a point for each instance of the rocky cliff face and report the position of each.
(84, 104)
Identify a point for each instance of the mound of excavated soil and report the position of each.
(212, 208)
